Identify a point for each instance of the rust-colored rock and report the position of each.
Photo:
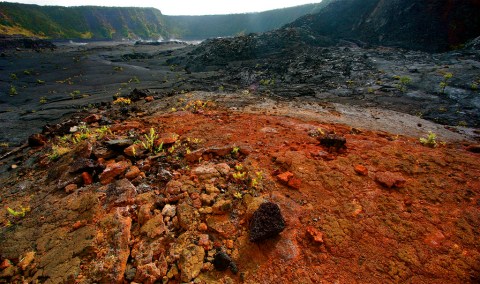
(149, 99)
(222, 206)
(118, 229)
(389, 179)
(361, 170)
(127, 125)
(191, 262)
(295, 183)
(148, 273)
(154, 227)
(202, 227)
(120, 193)
(87, 178)
(203, 241)
(144, 214)
(134, 150)
(77, 225)
(166, 139)
(434, 239)
(132, 173)
(285, 177)
(92, 118)
(315, 234)
(186, 215)
(26, 260)
(71, 188)
(222, 225)
(112, 171)
(5, 263)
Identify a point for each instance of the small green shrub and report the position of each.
(20, 213)
(444, 83)
(430, 140)
(12, 91)
(150, 138)
(403, 83)
(74, 94)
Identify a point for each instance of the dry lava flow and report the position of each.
(182, 190)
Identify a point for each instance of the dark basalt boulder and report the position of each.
(267, 222)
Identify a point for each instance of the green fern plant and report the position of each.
(149, 143)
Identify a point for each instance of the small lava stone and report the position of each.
(221, 261)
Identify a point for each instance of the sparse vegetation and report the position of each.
(267, 82)
(403, 82)
(74, 94)
(104, 130)
(430, 140)
(57, 152)
(12, 91)
(122, 101)
(444, 83)
(149, 143)
(43, 100)
(23, 211)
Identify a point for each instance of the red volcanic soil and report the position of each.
(105, 205)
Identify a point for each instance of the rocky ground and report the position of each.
(236, 188)
(45, 86)
(172, 164)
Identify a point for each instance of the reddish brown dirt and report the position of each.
(410, 214)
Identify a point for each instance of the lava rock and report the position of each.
(333, 141)
(267, 222)
(36, 140)
(473, 148)
(137, 94)
(221, 261)
(119, 143)
(84, 164)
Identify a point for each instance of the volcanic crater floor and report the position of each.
(161, 190)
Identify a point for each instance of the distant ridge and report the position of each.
(118, 23)
(86, 22)
(202, 27)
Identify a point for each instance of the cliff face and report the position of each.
(201, 27)
(137, 23)
(430, 25)
(81, 22)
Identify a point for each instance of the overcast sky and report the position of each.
(184, 7)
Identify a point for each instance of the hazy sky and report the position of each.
(183, 7)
